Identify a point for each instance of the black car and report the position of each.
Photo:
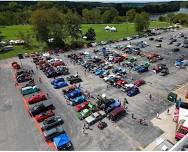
(176, 50)
(53, 132)
(74, 79)
(151, 38)
(51, 122)
(38, 108)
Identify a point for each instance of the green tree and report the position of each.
(73, 21)
(109, 15)
(27, 37)
(170, 17)
(131, 15)
(141, 22)
(90, 34)
(40, 22)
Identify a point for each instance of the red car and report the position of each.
(37, 98)
(44, 115)
(120, 83)
(81, 106)
(58, 63)
(138, 83)
(118, 59)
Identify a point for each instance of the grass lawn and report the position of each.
(12, 32)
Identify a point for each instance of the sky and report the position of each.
(121, 0)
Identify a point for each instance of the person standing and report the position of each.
(150, 96)
(132, 115)
(168, 111)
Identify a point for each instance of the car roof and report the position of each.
(117, 110)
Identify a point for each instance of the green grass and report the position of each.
(12, 32)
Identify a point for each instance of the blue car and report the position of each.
(142, 69)
(112, 106)
(99, 72)
(55, 81)
(60, 85)
(116, 70)
(73, 94)
(62, 142)
(134, 91)
(78, 100)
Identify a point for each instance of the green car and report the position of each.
(146, 64)
(84, 113)
(91, 106)
(29, 90)
(132, 59)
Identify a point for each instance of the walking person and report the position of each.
(132, 115)
(150, 96)
(158, 115)
(168, 111)
(83, 130)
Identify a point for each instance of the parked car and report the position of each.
(60, 85)
(117, 113)
(81, 106)
(36, 98)
(69, 89)
(38, 108)
(74, 79)
(29, 90)
(97, 116)
(44, 115)
(77, 100)
(53, 132)
(133, 91)
(83, 114)
(62, 142)
(53, 82)
(73, 94)
(139, 82)
(51, 122)
(112, 106)
(127, 87)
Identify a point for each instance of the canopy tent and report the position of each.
(107, 27)
(61, 140)
(113, 29)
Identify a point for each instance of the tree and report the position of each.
(170, 17)
(109, 15)
(27, 37)
(141, 22)
(131, 15)
(90, 34)
(73, 21)
(1, 36)
(40, 22)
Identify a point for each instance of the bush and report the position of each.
(77, 44)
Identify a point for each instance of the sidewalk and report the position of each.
(167, 125)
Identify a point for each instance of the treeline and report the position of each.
(20, 12)
(175, 18)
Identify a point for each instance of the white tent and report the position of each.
(84, 37)
(107, 27)
(113, 29)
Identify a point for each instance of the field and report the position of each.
(12, 32)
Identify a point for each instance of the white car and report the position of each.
(108, 77)
(93, 118)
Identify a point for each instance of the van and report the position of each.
(29, 90)
(117, 113)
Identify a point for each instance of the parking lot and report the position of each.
(126, 134)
